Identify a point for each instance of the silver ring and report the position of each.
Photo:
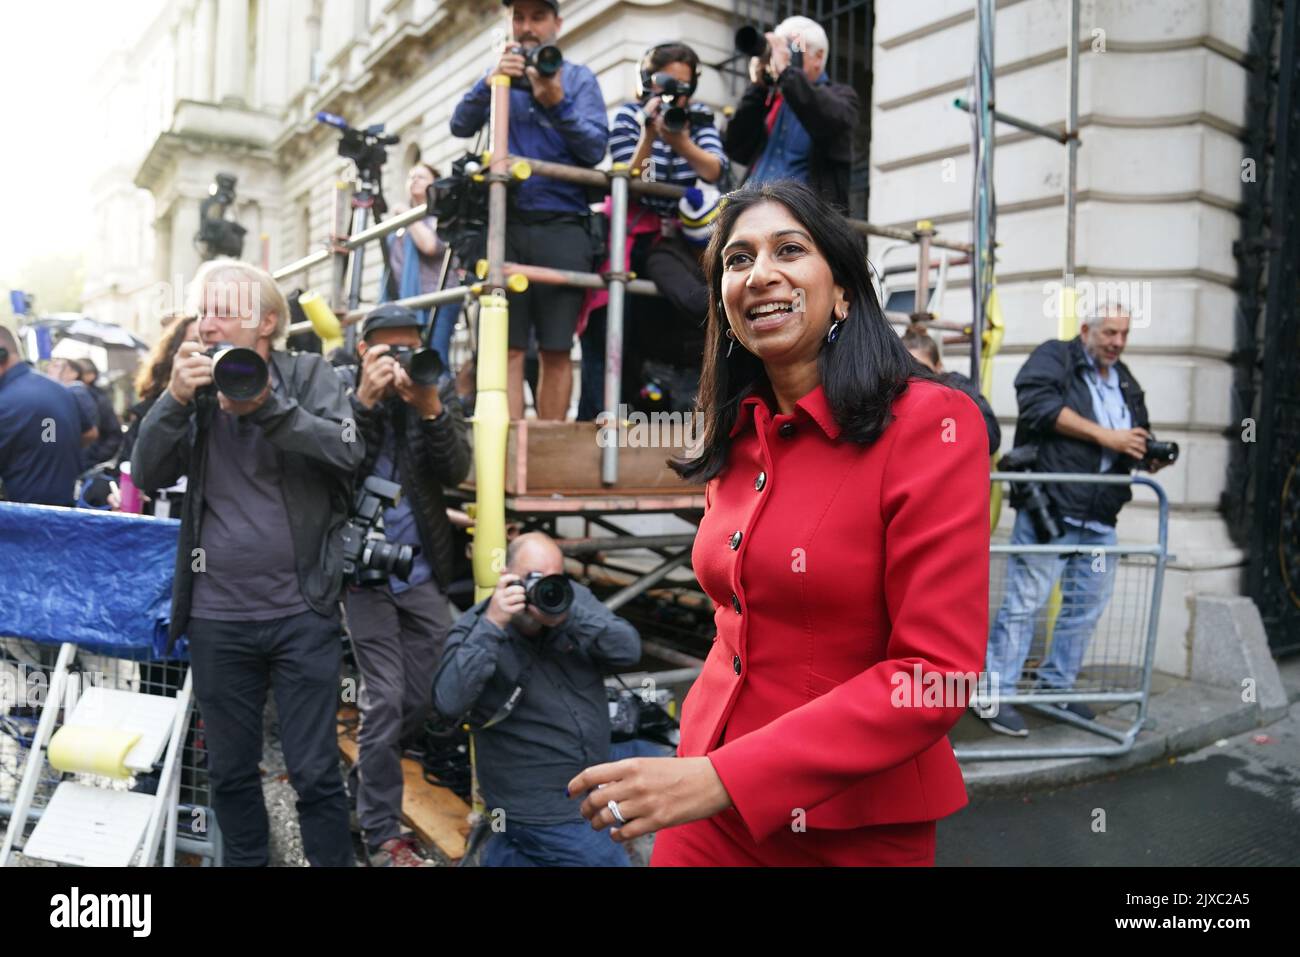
(613, 809)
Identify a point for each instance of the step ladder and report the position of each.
(88, 826)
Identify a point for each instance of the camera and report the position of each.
(549, 594)
(367, 558)
(1030, 495)
(218, 236)
(237, 373)
(460, 203)
(1158, 453)
(424, 365)
(546, 59)
(751, 41)
(678, 118)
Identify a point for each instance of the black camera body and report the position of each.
(238, 373)
(368, 559)
(460, 202)
(545, 58)
(549, 594)
(1158, 453)
(678, 118)
(423, 365)
(1031, 496)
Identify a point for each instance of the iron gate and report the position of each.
(1262, 500)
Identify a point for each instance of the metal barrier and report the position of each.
(1105, 630)
(24, 682)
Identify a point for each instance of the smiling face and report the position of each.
(777, 289)
(1106, 337)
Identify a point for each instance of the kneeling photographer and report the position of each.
(525, 667)
(1080, 410)
(416, 437)
(266, 440)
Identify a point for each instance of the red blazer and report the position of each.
(833, 567)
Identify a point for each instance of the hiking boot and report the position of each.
(399, 852)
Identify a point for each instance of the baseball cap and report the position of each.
(553, 4)
(390, 316)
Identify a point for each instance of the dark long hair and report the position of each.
(862, 373)
(156, 369)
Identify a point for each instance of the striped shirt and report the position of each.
(665, 166)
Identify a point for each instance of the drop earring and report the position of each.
(732, 336)
(834, 332)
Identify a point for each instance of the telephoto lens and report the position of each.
(239, 374)
(423, 365)
(549, 594)
(547, 58)
(752, 42)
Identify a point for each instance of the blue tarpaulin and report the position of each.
(99, 579)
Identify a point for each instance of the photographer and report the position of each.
(664, 138)
(418, 257)
(1080, 406)
(525, 755)
(259, 564)
(793, 122)
(679, 152)
(415, 436)
(558, 117)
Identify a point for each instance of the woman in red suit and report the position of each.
(845, 546)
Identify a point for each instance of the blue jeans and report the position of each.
(571, 844)
(1084, 594)
(444, 321)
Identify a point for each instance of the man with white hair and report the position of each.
(793, 122)
(259, 566)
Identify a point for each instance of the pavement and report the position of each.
(1206, 784)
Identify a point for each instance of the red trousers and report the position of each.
(722, 841)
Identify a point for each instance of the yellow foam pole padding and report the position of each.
(521, 169)
(323, 321)
(517, 283)
(992, 343)
(81, 750)
(491, 429)
(1069, 323)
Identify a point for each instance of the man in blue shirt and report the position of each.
(1085, 412)
(559, 118)
(40, 433)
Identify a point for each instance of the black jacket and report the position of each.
(430, 455)
(311, 426)
(960, 382)
(1051, 379)
(110, 429)
(561, 722)
(828, 111)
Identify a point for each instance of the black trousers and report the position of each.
(233, 663)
